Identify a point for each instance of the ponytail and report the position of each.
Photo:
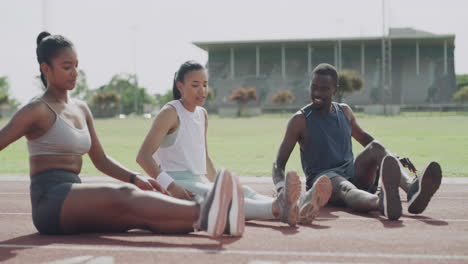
(175, 91)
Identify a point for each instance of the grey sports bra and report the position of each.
(61, 139)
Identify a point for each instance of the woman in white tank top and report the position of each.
(175, 153)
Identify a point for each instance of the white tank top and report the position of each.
(188, 152)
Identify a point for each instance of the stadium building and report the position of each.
(408, 67)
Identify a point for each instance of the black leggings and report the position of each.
(48, 191)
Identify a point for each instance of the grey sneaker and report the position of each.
(214, 208)
(288, 197)
(314, 199)
(423, 188)
(389, 197)
(236, 216)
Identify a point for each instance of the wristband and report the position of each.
(132, 178)
(164, 180)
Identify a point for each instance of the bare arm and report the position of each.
(365, 138)
(359, 134)
(293, 135)
(20, 124)
(166, 121)
(109, 166)
(210, 169)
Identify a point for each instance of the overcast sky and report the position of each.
(105, 32)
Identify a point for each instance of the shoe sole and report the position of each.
(292, 189)
(321, 193)
(390, 175)
(218, 212)
(237, 213)
(429, 183)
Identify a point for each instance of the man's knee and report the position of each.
(341, 186)
(376, 147)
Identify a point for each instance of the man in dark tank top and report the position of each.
(324, 130)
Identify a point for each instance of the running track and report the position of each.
(440, 235)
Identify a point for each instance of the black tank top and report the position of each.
(329, 145)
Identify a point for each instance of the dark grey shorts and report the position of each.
(48, 191)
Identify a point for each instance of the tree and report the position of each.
(4, 88)
(462, 80)
(461, 95)
(282, 97)
(125, 86)
(211, 94)
(105, 103)
(82, 90)
(348, 82)
(6, 102)
(242, 96)
(165, 98)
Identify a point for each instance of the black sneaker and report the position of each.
(214, 208)
(423, 188)
(236, 215)
(389, 197)
(314, 199)
(287, 199)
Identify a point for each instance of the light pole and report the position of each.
(44, 7)
(134, 52)
(383, 60)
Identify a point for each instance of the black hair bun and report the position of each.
(41, 36)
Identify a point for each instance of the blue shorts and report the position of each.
(48, 191)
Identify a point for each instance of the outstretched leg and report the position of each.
(315, 198)
(346, 193)
(118, 208)
(257, 206)
(285, 206)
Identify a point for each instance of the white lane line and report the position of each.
(85, 260)
(101, 260)
(15, 213)
(433, 199)
(300, 262)
(401, 219)
(73, 260)
(242, 252)
(449, 198)
(338, 218)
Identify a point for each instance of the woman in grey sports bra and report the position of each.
(59, 131)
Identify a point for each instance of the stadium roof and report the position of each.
(394, 34)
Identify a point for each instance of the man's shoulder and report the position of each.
(346, 110)
(297, 119)
(306, 110)
(306, 107)
(342, 105)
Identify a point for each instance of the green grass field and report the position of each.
(248, 146)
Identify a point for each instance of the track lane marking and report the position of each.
(243, 252)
